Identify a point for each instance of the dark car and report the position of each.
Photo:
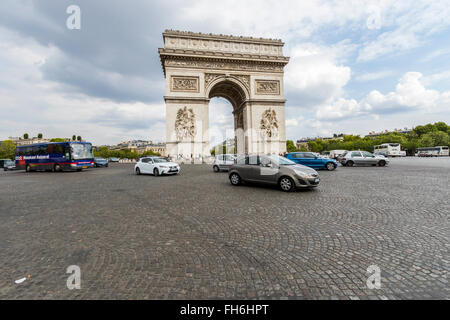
(311, 160)
(100, 162)
(9, 165)
(272, 169)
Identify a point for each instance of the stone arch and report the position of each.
(235, 91)
(248, 72)
(230, 88)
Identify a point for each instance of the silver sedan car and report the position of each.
(273, 169)
(364, 158)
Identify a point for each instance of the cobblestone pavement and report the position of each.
(194, 236)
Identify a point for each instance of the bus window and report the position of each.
(59, 149)
(42, 149)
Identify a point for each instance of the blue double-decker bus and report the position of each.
(55, 156)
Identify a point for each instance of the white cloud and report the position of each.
(29, 103)
(313, 75)
(342, 108)
(410, 94)
(371, 76)
(409, 24)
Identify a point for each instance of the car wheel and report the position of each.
(382, 163)
(350, 163)
(156, 172)
(235, 179)
(330, 166)
(138, 171)
(28, 168)
(286, 184)
(216, 169)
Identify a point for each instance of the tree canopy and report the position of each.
(430, 135)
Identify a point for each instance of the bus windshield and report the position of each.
(81, 151)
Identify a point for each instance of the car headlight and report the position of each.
(301, 173)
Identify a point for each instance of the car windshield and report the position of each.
(9, 162)
(81, 151)
(160, 160)
(282, 161)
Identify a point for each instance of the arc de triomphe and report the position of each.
(248, 72)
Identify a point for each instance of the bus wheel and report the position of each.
(56, 168)
(28, 168)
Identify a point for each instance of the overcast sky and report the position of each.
(355, 67)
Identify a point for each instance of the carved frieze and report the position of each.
(269, 124)
(228, 65)
(185, 124)
(245, 79)
(210, 77)
(271, 87)
(184, 84)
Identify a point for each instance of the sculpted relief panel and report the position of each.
(185, 84)
(269, 124)
(271, 87)
(185, 124)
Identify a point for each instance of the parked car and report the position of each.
(2, 162)
(335, 154)
(156, 166)
(311, 160)
(100, 162)
(358, 157)
(9, 165)
(273, 169)
(113, 159)
(223, 162)
(326, 154)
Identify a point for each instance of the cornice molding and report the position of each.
(210, 36)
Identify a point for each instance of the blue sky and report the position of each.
(356, 66)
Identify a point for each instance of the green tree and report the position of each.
(74, 137)
(25, 136)
(442, 126)
(58, 140)
(79, 138)
(290, 146)
(40, 135)
(7, 149)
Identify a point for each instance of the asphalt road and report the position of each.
(194, 236)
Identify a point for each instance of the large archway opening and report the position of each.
(227, 130)
(221, 126)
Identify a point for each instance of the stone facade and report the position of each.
(248, 72)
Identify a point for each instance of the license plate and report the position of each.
(84, 167)
(316, 180)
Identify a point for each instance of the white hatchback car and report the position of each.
(156, 166)
(223, 162)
